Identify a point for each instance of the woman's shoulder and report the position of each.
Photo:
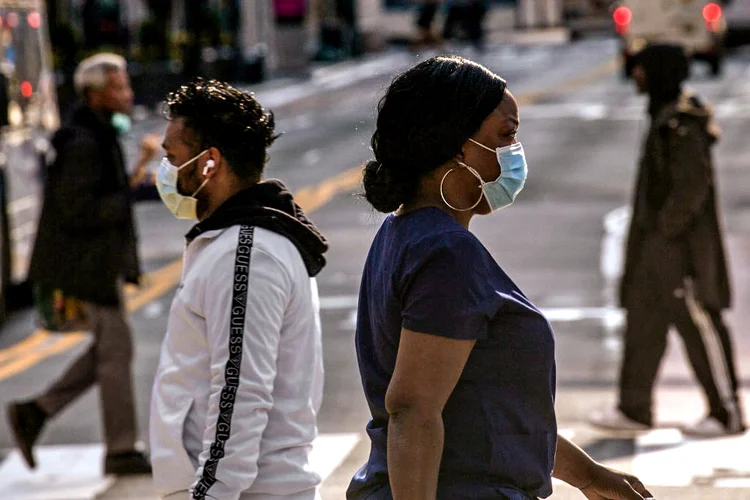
(453, 242)
(426, 233)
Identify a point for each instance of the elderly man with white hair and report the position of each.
(86, 249)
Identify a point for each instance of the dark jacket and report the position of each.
(271, 206)
(675, 213)
(86, 239)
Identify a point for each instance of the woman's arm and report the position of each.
(427, 370)
(595, 481)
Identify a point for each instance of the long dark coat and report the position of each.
(86, 240)
(675, 230)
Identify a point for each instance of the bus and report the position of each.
(28, 115)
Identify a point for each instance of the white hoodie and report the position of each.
(231, 422)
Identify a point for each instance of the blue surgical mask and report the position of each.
(121, 122)
(501, 192)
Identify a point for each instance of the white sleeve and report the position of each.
(243, 368)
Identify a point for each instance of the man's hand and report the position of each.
(610, 484)
(150, 146)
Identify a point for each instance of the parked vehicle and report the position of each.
(697, 25)
(587, 17)
(28, 115)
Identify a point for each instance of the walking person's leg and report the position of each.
(76, 380)
(114, 375)
(113, 371)
(709, 350)
(645, 343)
(27, 419)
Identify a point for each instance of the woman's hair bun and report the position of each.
(383, 189)
(425, 117)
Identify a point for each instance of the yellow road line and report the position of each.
(576, 83)
(63, 343)
(26, 344)
(42, 344)
(313, 197)
(158, 283)
(34, 349)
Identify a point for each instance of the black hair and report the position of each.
(228, 119)
(425, 117)
(667, 67)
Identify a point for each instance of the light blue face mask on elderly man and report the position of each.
(501, 192)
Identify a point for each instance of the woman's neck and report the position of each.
(463, 218)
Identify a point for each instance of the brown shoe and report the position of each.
(128, 463)
(26, 423)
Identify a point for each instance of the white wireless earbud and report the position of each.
(209, 165)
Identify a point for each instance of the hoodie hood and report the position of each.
(666, 67)
(270, 205)
(689, 105)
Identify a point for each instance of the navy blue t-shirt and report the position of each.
(427, 273)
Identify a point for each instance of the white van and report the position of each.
(697, 25)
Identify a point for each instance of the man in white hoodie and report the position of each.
(233, 411)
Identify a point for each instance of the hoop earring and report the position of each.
(442, 195)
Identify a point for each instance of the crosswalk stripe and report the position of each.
(666, 458)
(74, 472)
(63, 473)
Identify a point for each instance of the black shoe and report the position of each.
(128, 463)
(26, 422)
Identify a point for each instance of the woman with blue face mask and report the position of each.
(457, 364)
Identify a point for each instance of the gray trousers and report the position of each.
(106, 362)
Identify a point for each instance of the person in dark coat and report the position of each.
(86, 247)
(675, 270)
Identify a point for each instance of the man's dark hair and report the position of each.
(666, 66)
(226, 118)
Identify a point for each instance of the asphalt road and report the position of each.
(581, 128)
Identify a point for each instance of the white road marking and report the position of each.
(74, 472)
(590, 112)
(615, 225)
(23, 231)
(679, 461)
(21, 204)
(339, 302)
(608, 315)
(62, 473)
(330, 450)
(729, 108)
